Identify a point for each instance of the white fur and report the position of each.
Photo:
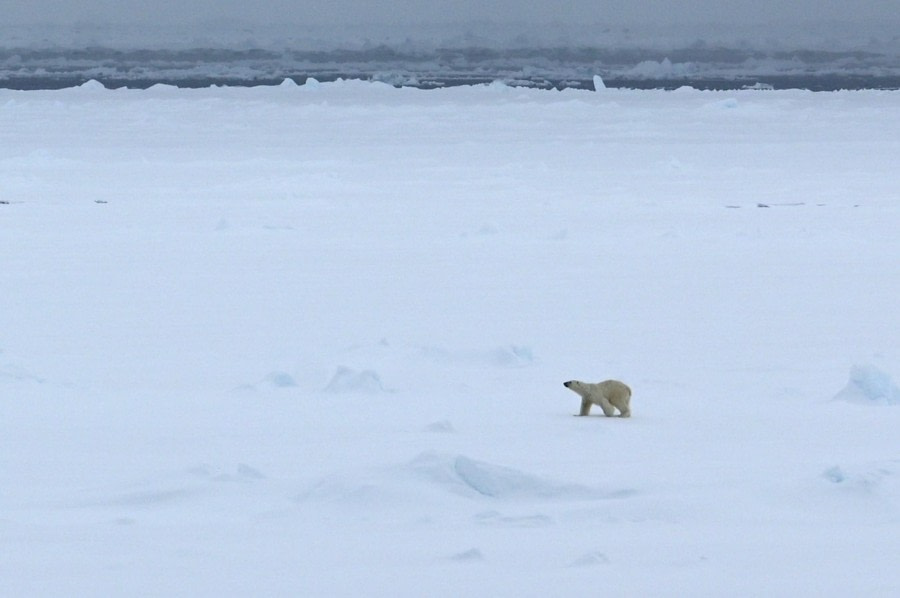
(609, 394)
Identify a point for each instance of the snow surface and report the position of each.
(310, 341)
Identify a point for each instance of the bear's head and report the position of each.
(574, 385)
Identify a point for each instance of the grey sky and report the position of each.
(783, 12)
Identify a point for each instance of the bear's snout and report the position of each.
(567, 384)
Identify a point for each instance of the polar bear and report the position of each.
(609, 394)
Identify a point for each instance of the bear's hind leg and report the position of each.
(608, 409)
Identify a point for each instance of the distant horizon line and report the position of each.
(619, 24)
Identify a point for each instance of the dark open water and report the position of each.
(698, 67)
(831, 82)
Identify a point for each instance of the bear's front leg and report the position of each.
(585, 407)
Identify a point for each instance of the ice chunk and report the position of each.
(598, 83)
(869, 385)
(651, 69)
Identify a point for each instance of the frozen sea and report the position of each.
(311, 339)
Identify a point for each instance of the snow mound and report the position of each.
(512, 356)
(92, 85)
(279, 380)
(468, 556)
(485, 230)
(430, 477)
(496, 519)
(504, 356)
(440, 427)
(16, 373)
(145, 499)
(347, 380)
(362, 490)
(865, 478)
(275, 380)
(590, 559)
(163, 88)
(726, 104)
(200, 482)
(869, 385)
(462, 475)
(497, 481)
(241, 473)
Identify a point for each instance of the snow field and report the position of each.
(313, 340)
